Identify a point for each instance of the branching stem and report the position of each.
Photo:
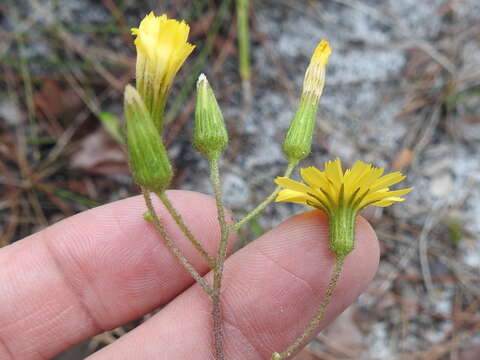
(171, 246)
(291, 166)
(181, 224)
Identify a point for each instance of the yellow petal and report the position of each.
(353, 177)
(387, 201)
(290, 184)
(388, 180)
(314, 177)
(379, 195)
(333, 170)
(292, 196)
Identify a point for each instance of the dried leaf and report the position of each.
(99, 153)
(53, 100)
(403, 159)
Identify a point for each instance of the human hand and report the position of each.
(105, 267)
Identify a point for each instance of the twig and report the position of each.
(429, 224)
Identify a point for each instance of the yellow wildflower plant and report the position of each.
(162, 48)
(342, 195)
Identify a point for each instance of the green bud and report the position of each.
(298, 142)
(147, 216)
(148, 158)
(209, 135)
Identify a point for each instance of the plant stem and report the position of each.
(171, 246)
(181, 224)
(243, 39)
(291, 166)
(318, 316)
(218, 269)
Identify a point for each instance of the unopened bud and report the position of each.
(298, 141)
(209, 135)
(148, 158)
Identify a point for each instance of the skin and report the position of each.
(105, 267)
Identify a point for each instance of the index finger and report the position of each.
(95, 271)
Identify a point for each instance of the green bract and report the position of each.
(209, 136)
(147, 156)
(298, 140)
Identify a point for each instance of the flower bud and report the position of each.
(147, 156)
(209, 135)
(298, 140)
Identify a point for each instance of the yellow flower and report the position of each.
(162, 48)
(342, 195)
(328, 190)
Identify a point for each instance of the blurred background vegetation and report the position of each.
(403, 91)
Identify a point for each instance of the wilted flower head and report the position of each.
(314, 80)
(162, 48)
(298, 140)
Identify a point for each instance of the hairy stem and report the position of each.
(263, 204)
(218, 269)
(299, 342)
(171, 246)
(181, 224)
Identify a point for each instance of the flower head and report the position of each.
(298, 140)
(162, 48)
(342, 195)
(356, 188)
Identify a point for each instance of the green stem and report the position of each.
(299, 342)
(243, 31)
(218, 269)
(263, 204)
(181, 224)
(243, 38)
(171, 246)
